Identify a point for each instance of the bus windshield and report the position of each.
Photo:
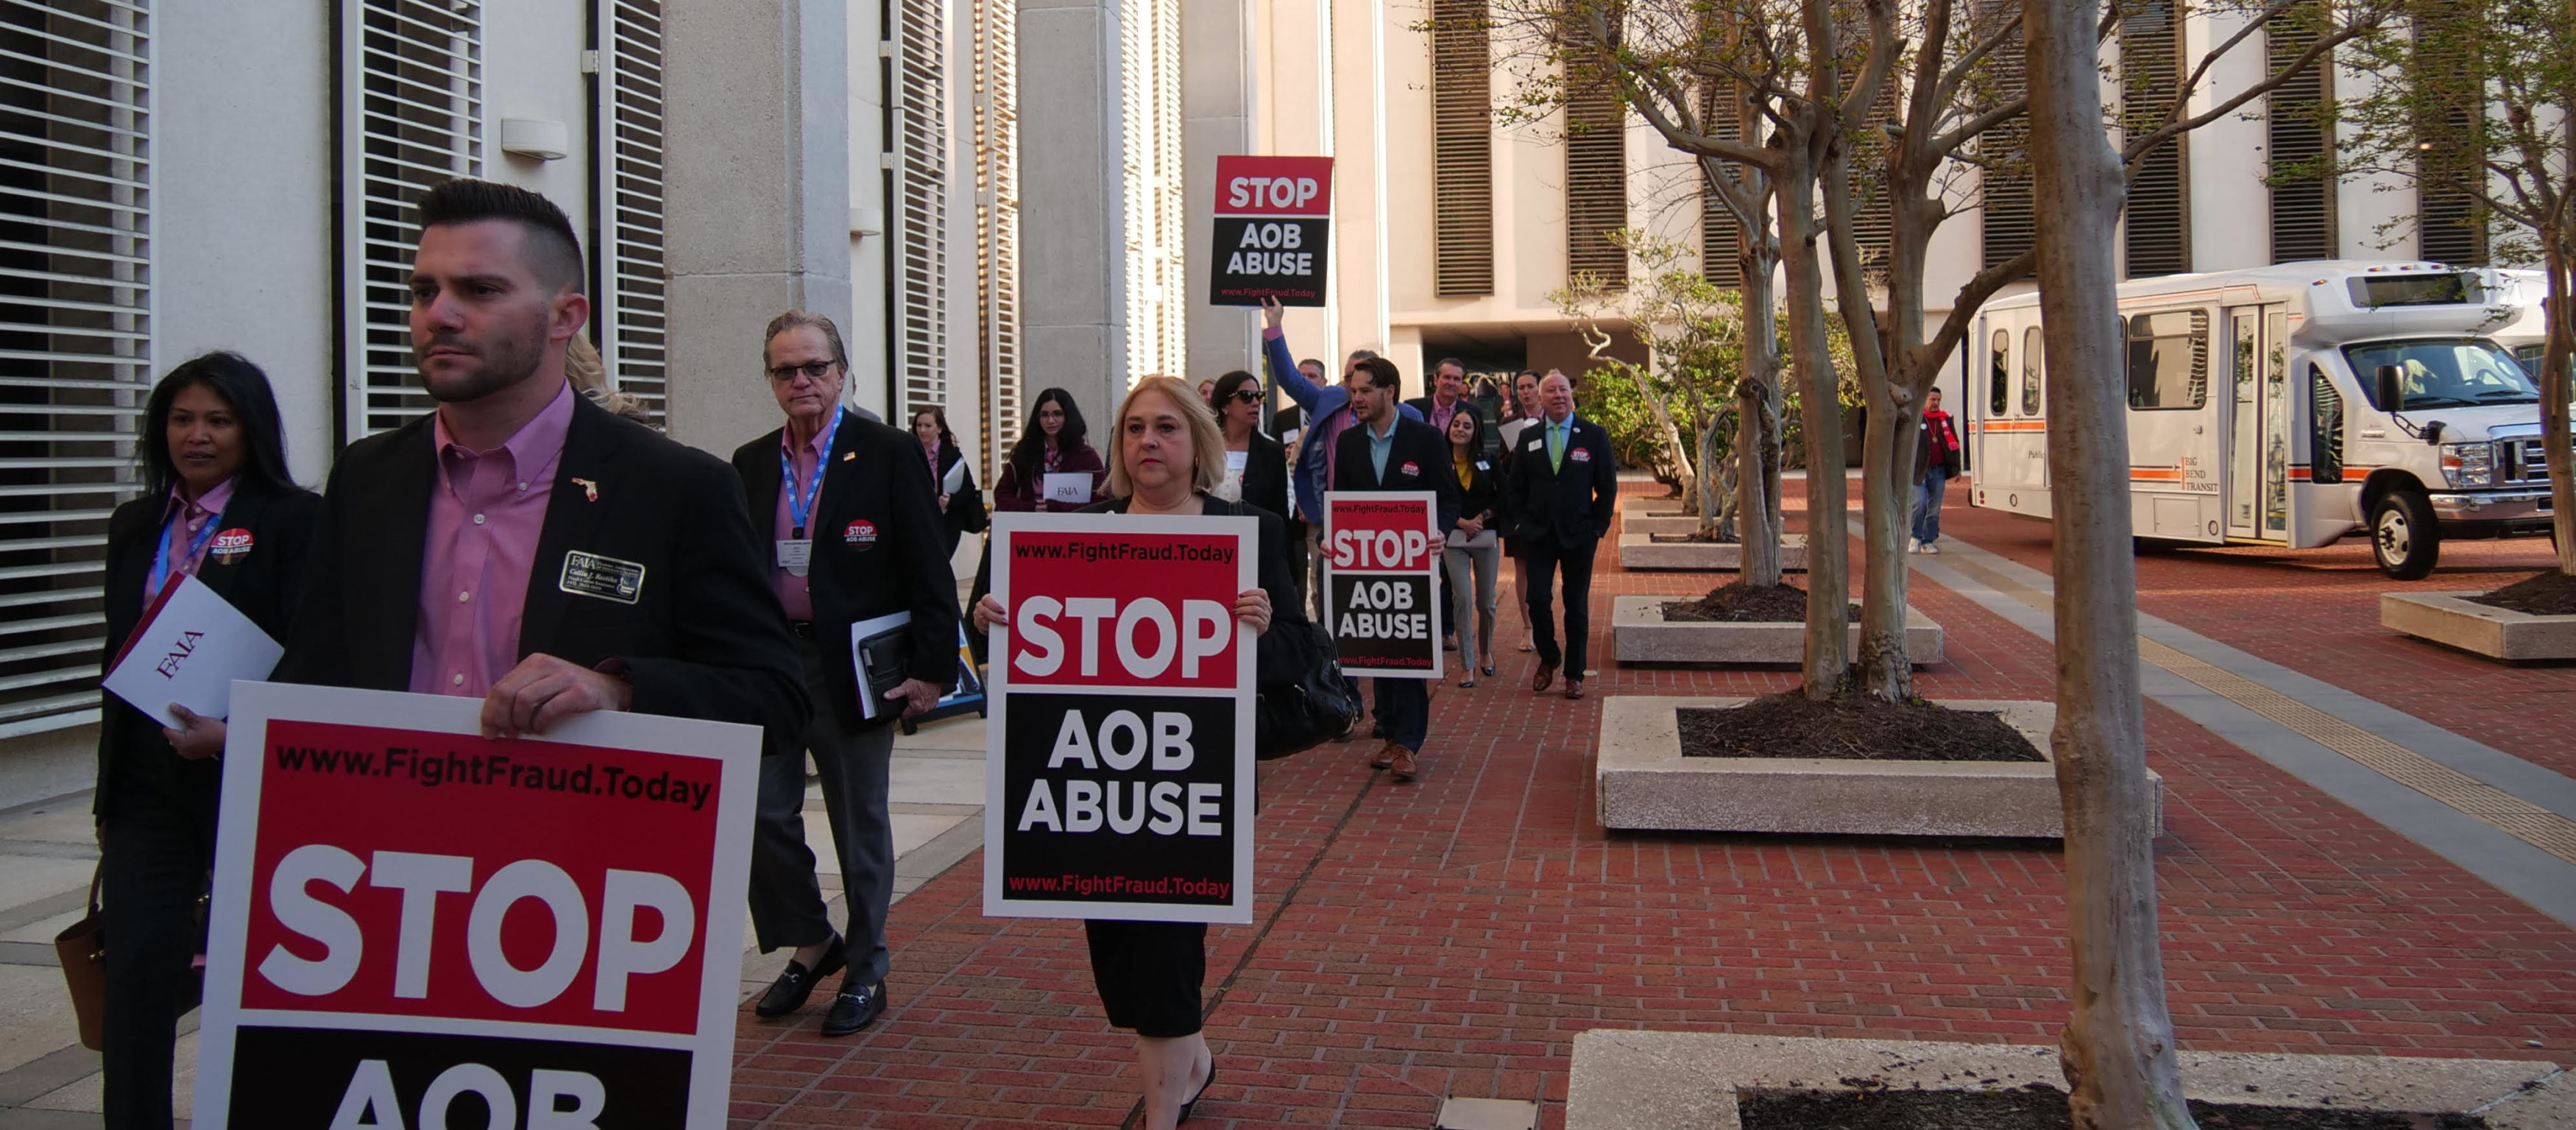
(2444, 373)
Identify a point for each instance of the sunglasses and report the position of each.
(1246, 396)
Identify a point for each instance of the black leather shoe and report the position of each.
(856, 1007)
(788, 992)
(1191, 1107)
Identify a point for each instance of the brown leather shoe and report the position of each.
(1574, 688)
(1545, 678)
(1402, 768)
(1387, 754)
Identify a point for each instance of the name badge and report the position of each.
(590, 574)
(1537, 445)
(795, 555)
(1481, 465)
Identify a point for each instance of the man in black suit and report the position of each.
(1563, 489)
(1448, 396)
(521, 545)
(857, 535)
(1388, 452)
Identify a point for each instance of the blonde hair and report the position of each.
(589, 377)
(1207, 443)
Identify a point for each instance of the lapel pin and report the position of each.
(589, 489)
(848, 455)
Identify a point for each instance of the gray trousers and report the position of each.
(1472, 565)
(786, 902)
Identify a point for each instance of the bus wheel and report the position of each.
(2403, 536)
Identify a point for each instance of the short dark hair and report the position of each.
(245, 388)
(1319, 366)
(1462, 366)
(1381, 372)
(552, 248)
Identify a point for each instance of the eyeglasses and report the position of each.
(1246, 396)
(785, 374)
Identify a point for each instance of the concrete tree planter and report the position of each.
(1642, 551)
(1640, 634)
(2450, 619)
(1626, 1080)
(1643, 782)
(1658, 522)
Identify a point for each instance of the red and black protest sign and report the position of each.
(411, 919)
(1119, 743)
(1381, 556)
(1273, 221)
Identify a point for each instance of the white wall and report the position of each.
(242, 217)
(866, 332)
(532, 69)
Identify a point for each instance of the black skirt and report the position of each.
(1149, 973)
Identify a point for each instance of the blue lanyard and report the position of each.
(800, 500)
(161, 549)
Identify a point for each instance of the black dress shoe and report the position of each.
(788, 992)
(1190, 1106)
(856, 1007)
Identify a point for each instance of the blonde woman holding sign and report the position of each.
(1170, 458)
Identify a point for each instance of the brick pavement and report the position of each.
(1452, 937)
(2316, 611)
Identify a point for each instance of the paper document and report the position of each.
(881, 651)
(189, 650)
(1072, 488)
(955, 478)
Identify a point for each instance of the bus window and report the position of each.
(2325, 428)
(2002, 375)
(2444, 373)
(2169, 360)
(2032, 353)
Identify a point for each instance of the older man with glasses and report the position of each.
(857, 536)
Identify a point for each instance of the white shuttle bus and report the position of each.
(2292, 405)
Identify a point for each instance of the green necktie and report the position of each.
(1555, 446)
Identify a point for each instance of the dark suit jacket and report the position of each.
(1416, 445)
(1265, 475)
(1423, 405)
(704, 638)
(880, 547)
(1572, 503)
(263, 583)
(965, 514)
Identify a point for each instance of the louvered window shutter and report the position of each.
(1874, 214)
(2303, 211)
(411, 116)
(632, 296)
(2008, 212)
(921, 206)
(1151, 78)
(1721, 238)
(1596, 186)
(995, 90)
(2448, 227)
(2158, 236)
(75, 119)
(1462, 150)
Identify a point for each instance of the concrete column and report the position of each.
(1073, 207)
(1217, 109)
(757, 187)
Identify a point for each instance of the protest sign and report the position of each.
(1272, 224)
(406, 914)
(1380, 557)
(1119, 772)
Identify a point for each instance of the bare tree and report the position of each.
(2118, 1048)
(2478, 99)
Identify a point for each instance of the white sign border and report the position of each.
(254, 705)
(1238, 910)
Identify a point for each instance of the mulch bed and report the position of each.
(1740, 603)
(1851, 727)
(2542, 594)
(1695, 537)
(2038, 1107)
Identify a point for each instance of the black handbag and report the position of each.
(1301, 701)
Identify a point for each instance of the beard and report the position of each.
(506, 359)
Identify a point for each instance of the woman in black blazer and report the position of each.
(1260, 475)
(964, 506)
(218, 505)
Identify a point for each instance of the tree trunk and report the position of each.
(1714, 482)
(1820, 412)
(1757, 432)
(2559, 309)
(2118, 1049)
(1884, 671)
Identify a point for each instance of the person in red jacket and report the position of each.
(1936, 461)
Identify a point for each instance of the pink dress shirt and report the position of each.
(484, 521)
(181, 533)
(797, 593)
